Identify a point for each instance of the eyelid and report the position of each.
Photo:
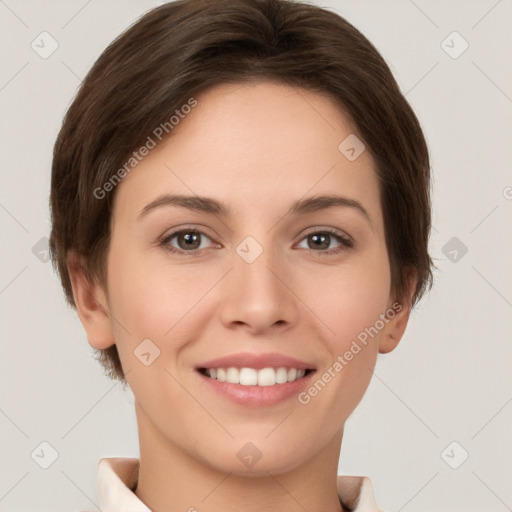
(199, 228)
(169, 233)
(330, 230)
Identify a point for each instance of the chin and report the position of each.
(259, 458)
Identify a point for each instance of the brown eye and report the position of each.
(321, 242)
(185, 241)
(189, 240)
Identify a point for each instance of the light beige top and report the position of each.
(117, 476)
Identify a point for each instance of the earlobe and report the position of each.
(91, 305)
(394, 330)
(398, 314)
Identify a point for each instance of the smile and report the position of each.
(255, 377)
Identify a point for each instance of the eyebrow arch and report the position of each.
(212, 206)
(321, 202)
(196, 203)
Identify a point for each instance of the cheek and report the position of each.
(350, 298)
(351, 310)
(160, 303)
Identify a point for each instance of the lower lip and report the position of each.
(258, 396)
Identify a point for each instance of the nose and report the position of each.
(258, 296)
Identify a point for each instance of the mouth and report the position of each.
(263, 377)
(256, 380)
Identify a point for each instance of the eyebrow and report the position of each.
(212, 206)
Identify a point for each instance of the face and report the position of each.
(256, 276)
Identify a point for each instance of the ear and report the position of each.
(91, 305)
(398, 313)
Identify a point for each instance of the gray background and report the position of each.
(449, 379)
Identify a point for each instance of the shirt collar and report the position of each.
(117, 476)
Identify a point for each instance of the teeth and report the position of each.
(252, 377)
(266, 377)
(233, 375)
(281, 376)
(248, 377)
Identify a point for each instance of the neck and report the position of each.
(170, 479)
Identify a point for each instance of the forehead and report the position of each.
(254, 146)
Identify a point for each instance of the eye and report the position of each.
(320, 241)
(186, 240)
(192, 240)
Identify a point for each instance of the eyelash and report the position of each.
(345, 242)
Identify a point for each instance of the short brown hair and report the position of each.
(184, 47)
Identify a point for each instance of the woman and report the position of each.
(241, 212)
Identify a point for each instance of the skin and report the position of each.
(257, 148)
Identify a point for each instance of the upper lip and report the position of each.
(256, 361)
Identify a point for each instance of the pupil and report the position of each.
(321, 239)
(190, 239)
